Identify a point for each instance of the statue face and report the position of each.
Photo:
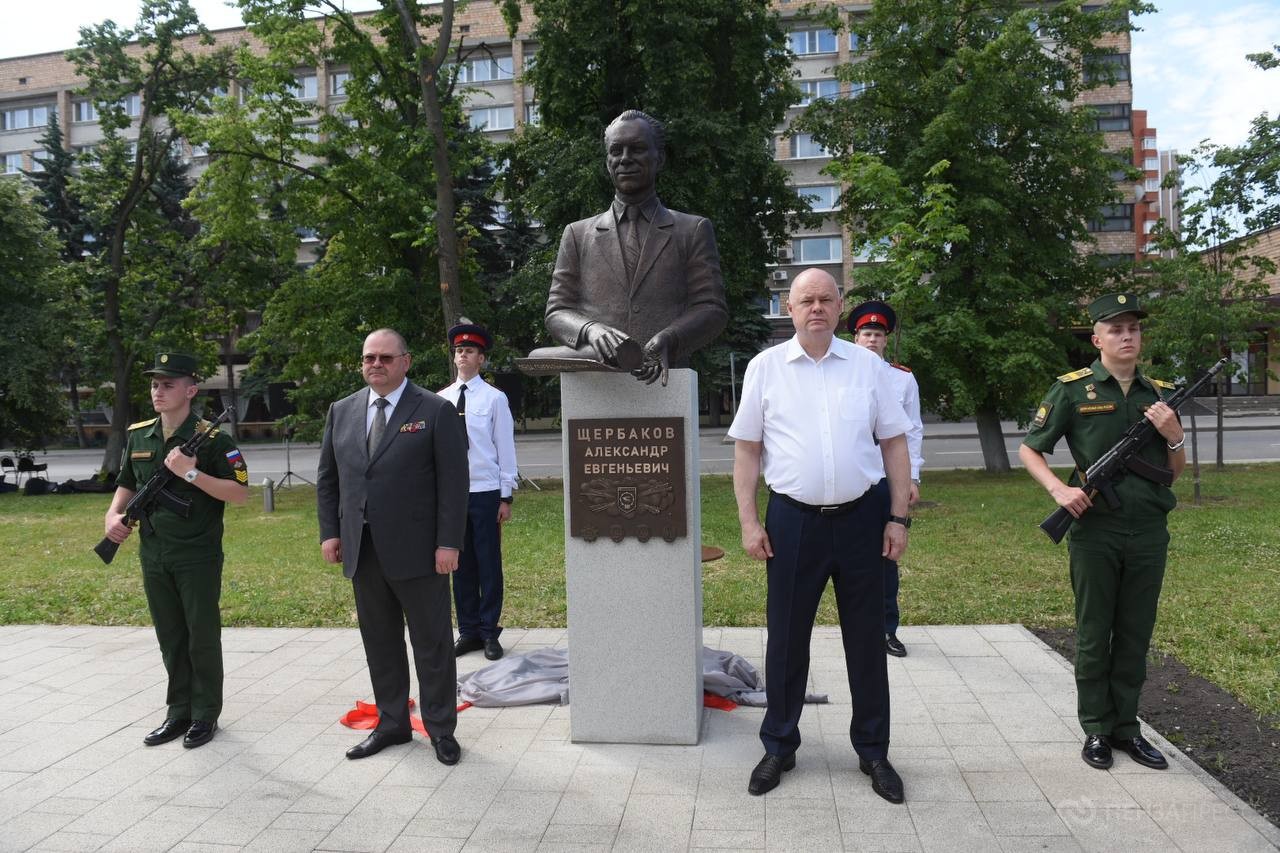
(632, 157)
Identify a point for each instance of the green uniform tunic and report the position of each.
(182, 564)
(1117, 555)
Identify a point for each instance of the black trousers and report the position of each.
(808, 549)
(384, 606)
(477, 584)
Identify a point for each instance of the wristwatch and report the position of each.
(903, 520)
(191, 475)
(508, 499)
(1178, 446)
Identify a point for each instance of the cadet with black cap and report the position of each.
(182, 557)
(871, 323)
(491, 457)
(1117, 555)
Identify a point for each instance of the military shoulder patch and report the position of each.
(900, 366)
(1160, 383)
(141, 424)
(1042, 415)
(1076, 374)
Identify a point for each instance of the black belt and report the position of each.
(820, 509)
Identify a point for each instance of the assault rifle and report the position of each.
(155, 492)
(1106, 472)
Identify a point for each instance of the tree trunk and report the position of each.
(77, 419)
(713, 407)
(121, 413)
(991, 439)
(231, 388)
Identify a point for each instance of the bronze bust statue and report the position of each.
(637, 287)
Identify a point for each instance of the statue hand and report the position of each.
(657, 358)
(604, 340)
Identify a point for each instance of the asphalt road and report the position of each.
(947, 445)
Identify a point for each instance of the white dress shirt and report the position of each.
(817, 418)
(908, 393)
(491, 434)
(370, 409)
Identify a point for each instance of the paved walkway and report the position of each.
(984, 736)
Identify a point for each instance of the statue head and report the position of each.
(635, 149)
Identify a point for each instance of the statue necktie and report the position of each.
(631, 245)
(379, 424)
(462, 412)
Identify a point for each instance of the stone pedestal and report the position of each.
(634, 607)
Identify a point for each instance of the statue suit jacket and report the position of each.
(677, 283)
(413, 490)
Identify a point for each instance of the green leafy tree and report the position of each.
(717, 73)
(970, 172)
(137, 268)
(30, 409)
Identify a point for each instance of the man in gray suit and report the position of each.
(637, 272)
(392, 499)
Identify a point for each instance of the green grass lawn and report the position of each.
(975, 557)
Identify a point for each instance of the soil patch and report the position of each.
(1217, 731)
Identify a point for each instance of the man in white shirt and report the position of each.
(871, 323)
(491, 458)
(811, 413)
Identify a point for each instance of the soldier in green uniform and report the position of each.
(1117, 555)
(182, 557)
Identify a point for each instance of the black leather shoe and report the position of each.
(894, 646)
(467, 644)
(375, 743)
(768, 773)
(885, 781)
(492, 648)
(199, 734)
(1141, 751)
(447, 749)
(1097, 752)
(171, 729)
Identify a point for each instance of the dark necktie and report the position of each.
(379, 424)
(462, 412)
(631, 241)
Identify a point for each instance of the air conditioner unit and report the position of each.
(784, 255)
(779, 275)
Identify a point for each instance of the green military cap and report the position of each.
(1113, 305)
(174, 364)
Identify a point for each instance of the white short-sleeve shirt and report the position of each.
(817, 419)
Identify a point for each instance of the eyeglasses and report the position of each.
(380, 358)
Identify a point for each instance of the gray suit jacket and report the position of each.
(413, 490)
(677, 283)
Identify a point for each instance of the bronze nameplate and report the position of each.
(627, 478)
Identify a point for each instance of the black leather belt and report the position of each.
(819, 509)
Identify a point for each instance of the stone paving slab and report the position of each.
(984, 736)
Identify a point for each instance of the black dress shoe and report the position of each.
(447, 749)
(492, 648)
(768, 773)
(375, 743)
(467, 644)
(1141, 751)
(885, 781)
(894, 646)
(171, 729)
(199, 734)
(1097, 752)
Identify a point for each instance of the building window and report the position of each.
(1106, 68)
(37, 160)
(304, 87)
(803, 146)
(776, 300)
(310, 131)
(532, 114)
(13, 163)
(1148, 143)
(23, 117)
(493, 118)
(1151, 164)
(1108, 261)
(338, 83)
(821, 198)
(804, 42)
(84, 111)
(1111, 117)
(1113, 217)
(486, 70)
(1148, 225)
(812, 90)
(817, 250)
(1151, 185)
(132, 105)
(857, 42)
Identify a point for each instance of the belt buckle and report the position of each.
(829, 509)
